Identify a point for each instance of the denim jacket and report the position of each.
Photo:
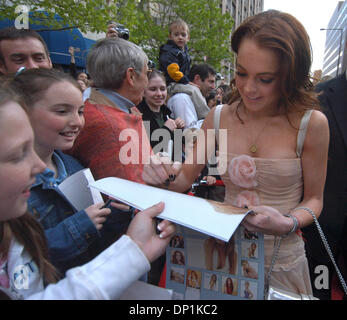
(70, 234)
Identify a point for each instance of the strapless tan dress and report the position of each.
(277, 183)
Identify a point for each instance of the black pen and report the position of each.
(106, 204)
(157, 220)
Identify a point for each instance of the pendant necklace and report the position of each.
(254, 148)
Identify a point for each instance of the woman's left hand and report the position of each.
(267, 220)
(142, 231)
(180, 123)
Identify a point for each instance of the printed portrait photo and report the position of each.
(249, 249)
(229, 286)
(249, 269)
(177, 241)
(248, 235)
(177, 274)
(193, 279)
(249, 289)
(177, 257)
(211, 281)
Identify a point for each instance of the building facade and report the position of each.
(335, 54)
(242, 9)
(239, 10)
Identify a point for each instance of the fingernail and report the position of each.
(162, 235)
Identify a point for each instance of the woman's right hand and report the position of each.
(160, 170)
(267, 220)
(98, 214)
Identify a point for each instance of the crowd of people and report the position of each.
(121, 118)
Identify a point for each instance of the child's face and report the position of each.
(57, 118)
(18, 161)
(180, 36)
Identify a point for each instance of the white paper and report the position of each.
(96, 195)
(192, 212)
(140, 290)
(75, 189)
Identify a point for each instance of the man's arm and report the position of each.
(182, 107)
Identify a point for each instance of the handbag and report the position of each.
(279, 294)
(272, 293)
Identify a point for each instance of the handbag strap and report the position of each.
(327, 247)
(277, 244)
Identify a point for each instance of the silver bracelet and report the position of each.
(295, 225)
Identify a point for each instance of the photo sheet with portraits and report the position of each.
(200, 267)
(211, 255)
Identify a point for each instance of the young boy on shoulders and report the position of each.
(174, 59)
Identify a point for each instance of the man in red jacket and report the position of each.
(114, 141)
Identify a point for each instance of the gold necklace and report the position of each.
(254, 148)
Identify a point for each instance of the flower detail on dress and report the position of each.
(242, 171)
(247, 198)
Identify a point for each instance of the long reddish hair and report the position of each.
(285, 35)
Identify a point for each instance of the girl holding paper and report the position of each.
(55, 109)
(25, 269)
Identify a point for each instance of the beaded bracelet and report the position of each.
(295, 225)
